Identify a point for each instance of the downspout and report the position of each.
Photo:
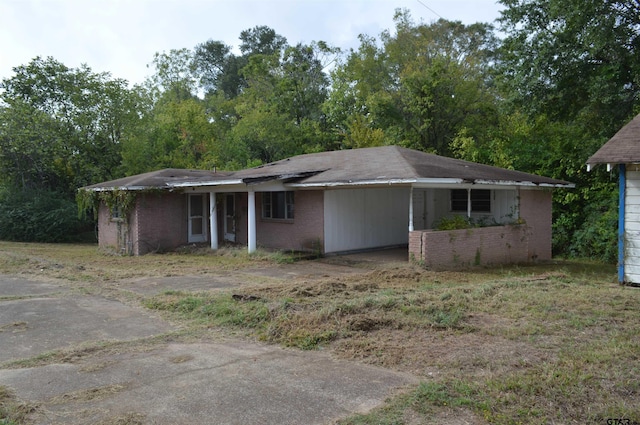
(621, 221)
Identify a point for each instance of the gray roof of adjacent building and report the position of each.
(622, 148)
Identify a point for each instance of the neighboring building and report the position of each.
(340, 201)
(623, 150)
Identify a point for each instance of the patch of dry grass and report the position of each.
(545, 344)
(12, 410)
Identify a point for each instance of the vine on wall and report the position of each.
(89, 200)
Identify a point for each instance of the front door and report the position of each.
(419, 209)
(197, 219)
(230, 217)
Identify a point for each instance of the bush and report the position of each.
(39, 216)
(454, 222)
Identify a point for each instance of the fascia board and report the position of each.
(129, 188)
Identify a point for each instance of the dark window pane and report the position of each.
(459, 200)
(481, 200)
(196, 205)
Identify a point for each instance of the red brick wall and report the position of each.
(535, 210)
(480, 246)
(159, 222)
(305, 232)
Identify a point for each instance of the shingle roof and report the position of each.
(377, 165)
(387, 163)
(622, 148)
(160, 179)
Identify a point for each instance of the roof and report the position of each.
(366, 166)
(622, 148)
(386, 164)
(160, 179)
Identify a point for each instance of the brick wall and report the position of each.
(108, 229)
(480, 246)
(159, 222)
(305, 232)
(535, 210)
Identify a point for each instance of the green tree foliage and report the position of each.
(61, 127)
(572, 67)
(420, 86)
(39, 215)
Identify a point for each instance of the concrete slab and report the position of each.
(31, 326)
(223, 383)
(19, 287)
(230, 383)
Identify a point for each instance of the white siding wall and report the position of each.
(365, 218)
(632, 228)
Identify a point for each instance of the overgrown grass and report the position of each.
(87, 263)
(547, 344)
(12, 411)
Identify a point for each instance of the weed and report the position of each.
(13, 411)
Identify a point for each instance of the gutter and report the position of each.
(432, 182)
(209, 183)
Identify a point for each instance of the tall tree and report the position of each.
(573, 65)
(62, 127)
(421, 85)
(573, 59)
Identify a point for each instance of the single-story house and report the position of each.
(623, 150)
(335, 202)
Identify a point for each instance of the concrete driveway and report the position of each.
(218, 382)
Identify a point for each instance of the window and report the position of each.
(116, 213)
(277, 205)
(480, 200)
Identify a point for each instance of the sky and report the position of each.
(122, 36)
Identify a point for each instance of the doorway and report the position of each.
(230, 217)
(197, 219)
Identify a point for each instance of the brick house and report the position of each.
(623, 151)
(340, 201)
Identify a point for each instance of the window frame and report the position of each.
(278, 203)
(479, 204)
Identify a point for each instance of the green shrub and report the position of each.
(39, 216)
(454, 222)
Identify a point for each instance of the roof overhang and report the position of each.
(443, 183)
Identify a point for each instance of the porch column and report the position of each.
(213, 220)
(468, 203)
(252, 222)
(411, 209)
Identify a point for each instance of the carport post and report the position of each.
(252, 221)
(411, 209)
(213, 221)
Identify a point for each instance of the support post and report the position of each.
(213, 220)
(469, 204)
(411, 209)
(621, 221)
(252, 222)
